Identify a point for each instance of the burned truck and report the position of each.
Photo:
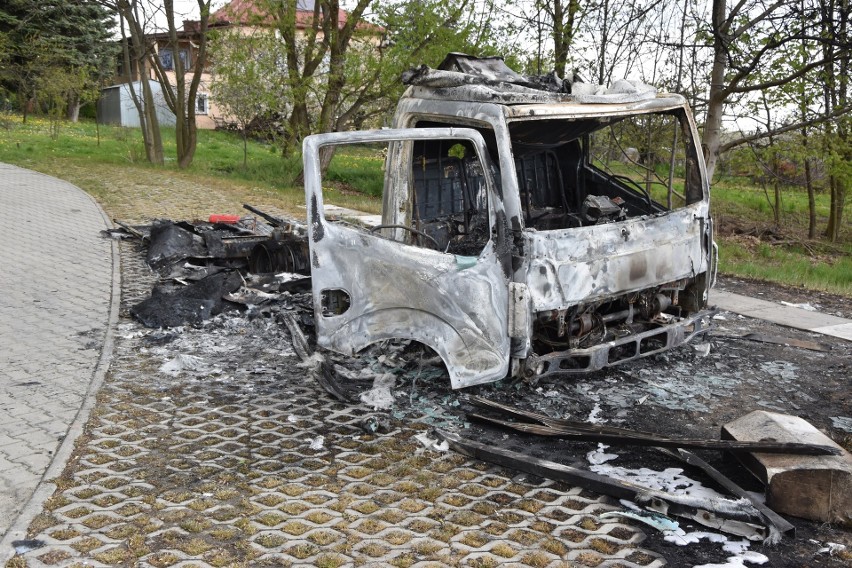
(530, 226)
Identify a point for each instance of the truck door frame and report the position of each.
(456, 305)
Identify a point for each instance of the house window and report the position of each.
(167, 59)
(201, 104)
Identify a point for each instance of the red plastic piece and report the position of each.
(228, 219)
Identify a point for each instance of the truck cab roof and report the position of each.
(488, 80)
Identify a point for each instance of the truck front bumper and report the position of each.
(621, 350)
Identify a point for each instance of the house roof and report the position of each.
(247, 12)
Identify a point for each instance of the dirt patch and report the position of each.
(137, 194)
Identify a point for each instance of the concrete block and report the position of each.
(812, 487)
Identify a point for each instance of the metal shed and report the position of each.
(116, 105)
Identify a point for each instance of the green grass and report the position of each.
(218, 155)
(736, 196)
(359, 168)
(794, 266)
(794, 260)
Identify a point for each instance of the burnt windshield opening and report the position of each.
(591, 171)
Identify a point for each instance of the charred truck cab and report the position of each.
(529, 227)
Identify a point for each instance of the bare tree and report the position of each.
(554, 24)
(134, 20)
(181, 96)
(751, 36)
(835, 23)
(339, 34)
(619, 35)
(138, 27)
(564, 16)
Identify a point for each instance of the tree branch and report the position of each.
(756, 20)
(735, 88)
(775, 132)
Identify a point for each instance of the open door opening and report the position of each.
(434, 271)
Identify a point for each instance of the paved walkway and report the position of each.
(58, 303)
(788, 316)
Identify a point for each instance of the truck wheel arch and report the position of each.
(469, 360)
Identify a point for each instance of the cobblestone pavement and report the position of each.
(229, 463)
(55, 310)
(231, 466)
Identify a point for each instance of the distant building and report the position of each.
(243, 15)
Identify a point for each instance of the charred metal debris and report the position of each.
(225, 263)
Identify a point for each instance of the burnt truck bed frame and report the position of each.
(504, 245)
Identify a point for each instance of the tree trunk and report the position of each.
(326, 154)
(299, 126)
(181, 97)
(811, 200)
(841, 204)
(844, 122)
(73, 112)
(134, 49)
(712, 137)
(835, 214)
(604, 38)
(832, 229)
(190, 142)
(564, 21)
(304, 55)
(776, 177)
(839, 97)
(245, 149)
(154, 146)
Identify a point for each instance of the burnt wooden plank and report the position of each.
(606, 434)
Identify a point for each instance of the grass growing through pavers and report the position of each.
(109, 163)
(200, 507)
